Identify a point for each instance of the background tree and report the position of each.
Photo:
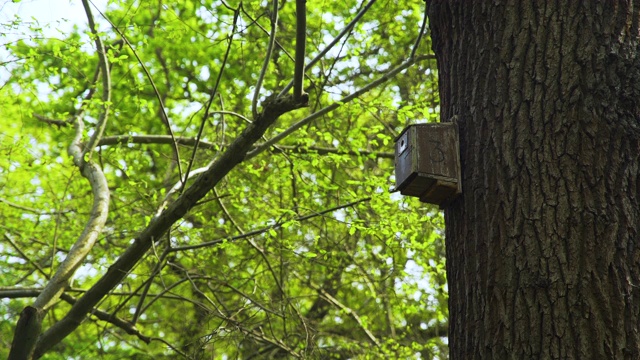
(542, 247)
(202, 226)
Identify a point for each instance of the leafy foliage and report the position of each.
(305, 252)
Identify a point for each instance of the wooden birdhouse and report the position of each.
(428, 162)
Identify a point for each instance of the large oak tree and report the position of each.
(163, 192)
(543, 256)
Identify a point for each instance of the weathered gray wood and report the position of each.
(428, 162)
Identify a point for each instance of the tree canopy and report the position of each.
(299, 249)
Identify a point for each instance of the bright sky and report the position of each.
(60, 14)
(56, 17)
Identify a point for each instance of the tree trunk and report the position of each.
(542, 246)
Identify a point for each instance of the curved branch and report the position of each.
(420, 34)
(30, 322)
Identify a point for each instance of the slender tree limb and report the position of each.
(170, 287)
(259, 336)
(32, 210)
(50, 121)
(423, 29)
(20, 292)
(178, 351)
(24, 255)
(17, 293)
(265, 229)
(211, 97)
(235, 154)
(266, 32)
(163, 139)
(333, 106)
(128, 327)
(347, 310)
(145, 291)
(106, 86)
(253, 244)
(301, 39)
(252, 300)
(164, 117)
(225, 112)
(267, 59)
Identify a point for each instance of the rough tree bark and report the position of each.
(542, 247)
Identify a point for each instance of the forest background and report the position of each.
(301, 249)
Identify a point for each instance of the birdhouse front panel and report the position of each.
(428, 162)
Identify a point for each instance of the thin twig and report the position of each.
(50, 121)
(164, 139)
(211, 97)
(148, 283)
(128, 327)
(265, 229)
(422, 32)
(323, 293)
(255, 22)
(29, 209)
(267, 59)
(164, 117)
(333, 106)
(106, 86)
(170, 287)
(24, 255)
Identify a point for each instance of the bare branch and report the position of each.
(265, 64)
(15, 293)
(163, 139)
(347, 310)
(333, 106)
(333, 43)
(24, 255)
(211, 97)
(301, 39)
(265, 229)
(50, 121)
(164, 117)
(159, 225)
(128, 327)
(423, 29)
(106, 86)
(149, 282)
